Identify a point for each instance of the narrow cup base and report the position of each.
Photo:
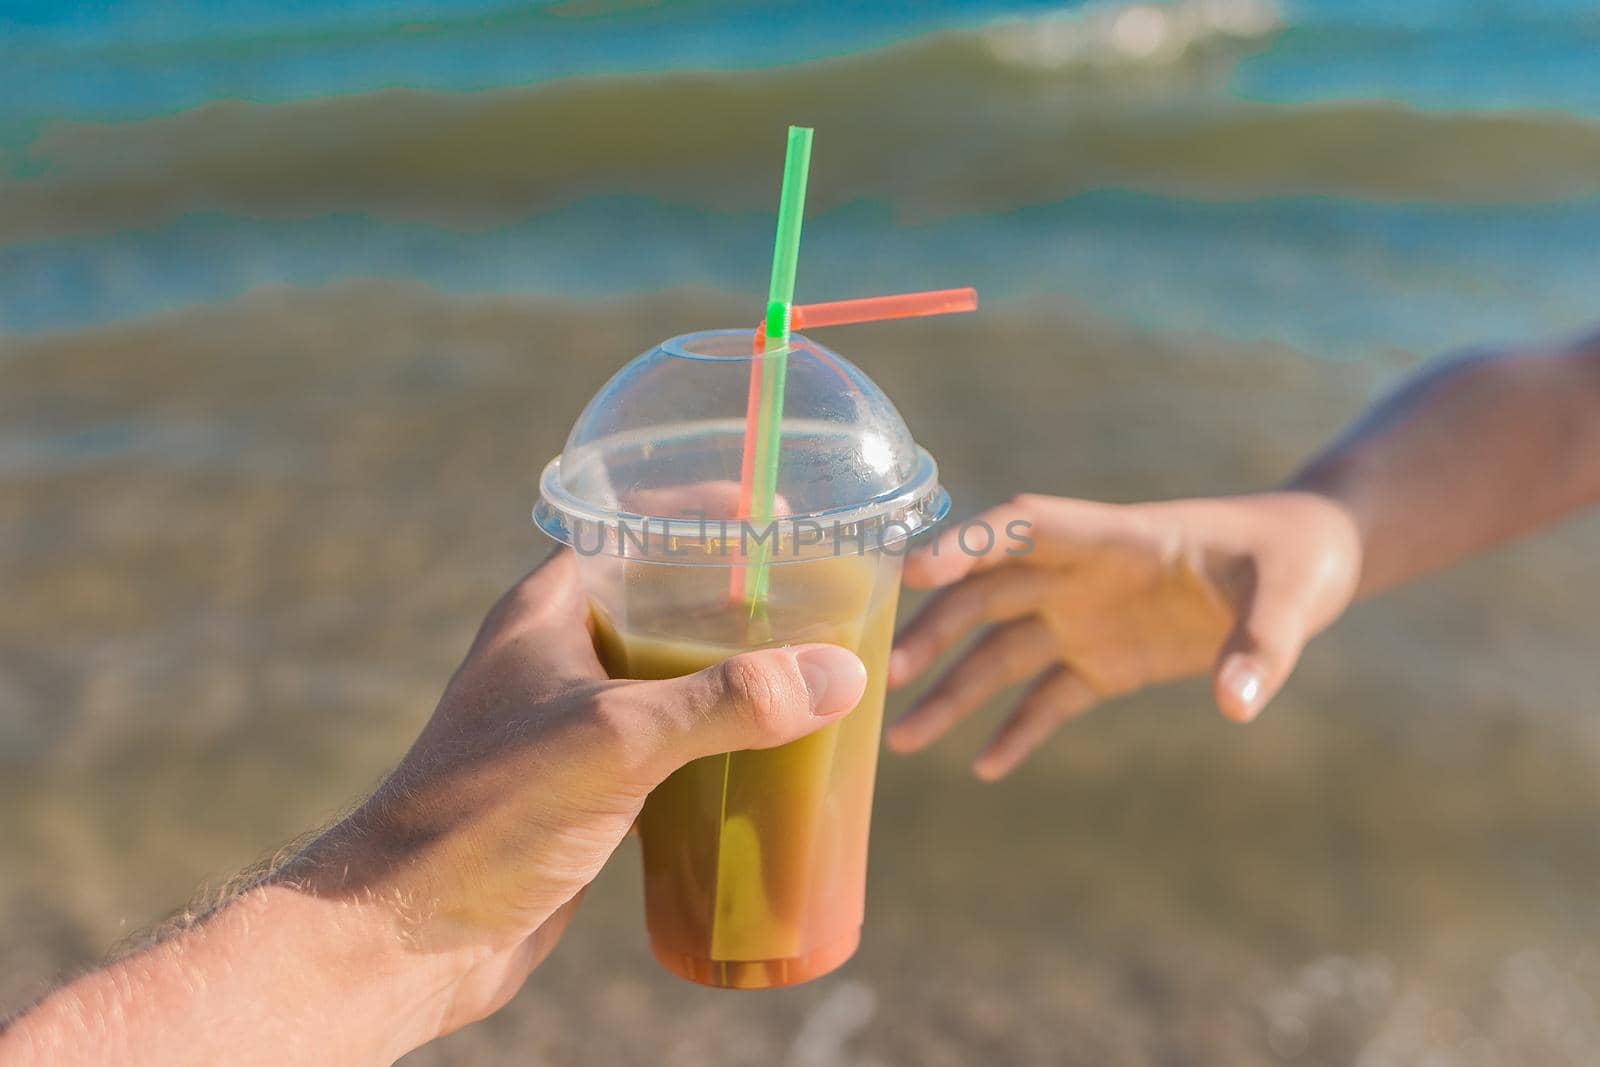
(760, 974)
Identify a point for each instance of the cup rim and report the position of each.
(912, 508)
(678, 347)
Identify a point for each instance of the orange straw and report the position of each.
(833, 313)
(878, 309)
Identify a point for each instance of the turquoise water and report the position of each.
(1341, 177)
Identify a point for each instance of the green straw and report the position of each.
(780, 297)
(738, 877)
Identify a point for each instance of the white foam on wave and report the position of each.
(1121, 33)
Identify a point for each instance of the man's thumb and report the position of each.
(754, 700)
(1257, 657)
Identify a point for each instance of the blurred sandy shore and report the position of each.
(244, 546)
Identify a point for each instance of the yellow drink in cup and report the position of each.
(755, 862)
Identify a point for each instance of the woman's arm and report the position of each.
(1474, 452)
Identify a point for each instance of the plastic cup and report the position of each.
(755, 861)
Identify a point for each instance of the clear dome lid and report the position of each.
(660, 452)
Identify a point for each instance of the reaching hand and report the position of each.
(1110, 599)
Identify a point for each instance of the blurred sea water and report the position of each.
(1344, 177)
(295, 300)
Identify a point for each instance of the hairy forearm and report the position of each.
(276, 976)
(1475, 451)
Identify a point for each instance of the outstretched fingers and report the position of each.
(1060, 695)
(1036, 530)
(1005, 655)
(978, 544)
(952, 613)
